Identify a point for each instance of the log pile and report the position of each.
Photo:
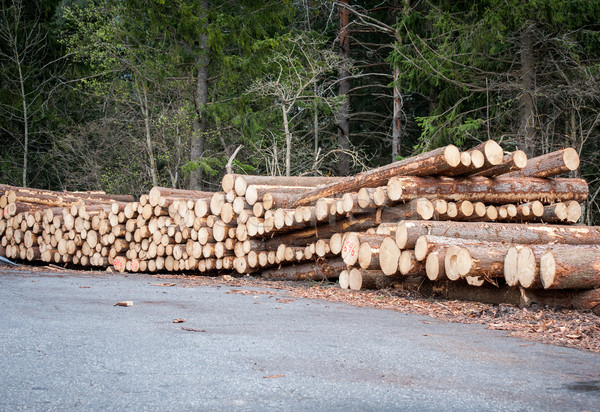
(476, 217)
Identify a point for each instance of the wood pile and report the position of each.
(476, 217)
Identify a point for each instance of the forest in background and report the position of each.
(123, 95)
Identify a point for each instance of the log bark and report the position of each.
(155, 194)
(256, 193)
(352, 242)
(482, 189)
(240, 183)
(514, 161)
(408, 232)
(361, 279)
(575, 267)
(321, 270)
(548, 165)
(434, 162)
(485, 260)
(408, 265)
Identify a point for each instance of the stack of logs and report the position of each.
(455, 222)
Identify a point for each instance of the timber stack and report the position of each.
(460, 223)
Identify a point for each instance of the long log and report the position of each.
(408, 265)
(255, 193)
(239, 183)
(323, 269)
(548, 165)
(481, 189)
(483, 260)
(361, 279)
(514, 161)
(408, 232)
(576, 267)
(433, 162)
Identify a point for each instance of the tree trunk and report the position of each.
(344, 89)
(397, 119)
(25, 122)
(143, 101)
(200, 101)
(288, 139)
(527, 98)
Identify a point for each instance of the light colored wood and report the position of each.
(481, 189)
(550, 164)
(433, 162)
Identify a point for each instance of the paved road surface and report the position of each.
(64, 346)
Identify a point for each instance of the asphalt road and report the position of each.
(64, 346)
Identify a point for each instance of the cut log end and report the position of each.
(389, 256)
(547, 269)
(511, 273)
(526, 267)
(571, 159)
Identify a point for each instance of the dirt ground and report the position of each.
(557, 326)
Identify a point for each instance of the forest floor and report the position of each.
(556, 326)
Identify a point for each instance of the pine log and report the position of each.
(433, 162)
(514, 161)
(352, 242)
(484, 260)
(361, 279)
(239, 183)
(548, 165)
(575, 267)
(471, 161)
(344, 279)
(328, 269)
(368, 257)
(255, 193)
(482, 189)
(408, 265)
(428, 243)
(434, 265)
(389, 256)
(169, 194)
(408, 232)
(492, 152)
(451, 261)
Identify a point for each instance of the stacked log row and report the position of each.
(481, 216)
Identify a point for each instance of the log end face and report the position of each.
(425, 209)
(464, 262)
(511, 273)
(228, 182)
(364, 255)
(477, 159)
(433, 268)
(519, 159)
(526, 267)
(421, 248)
(571, 158)
(547, 270)
(350, 249)
(394, 188)
(493, 152)
(355, 279)
(452, 155)
(344, 279)
(465, 159)
(389, 256)
(450, 262)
